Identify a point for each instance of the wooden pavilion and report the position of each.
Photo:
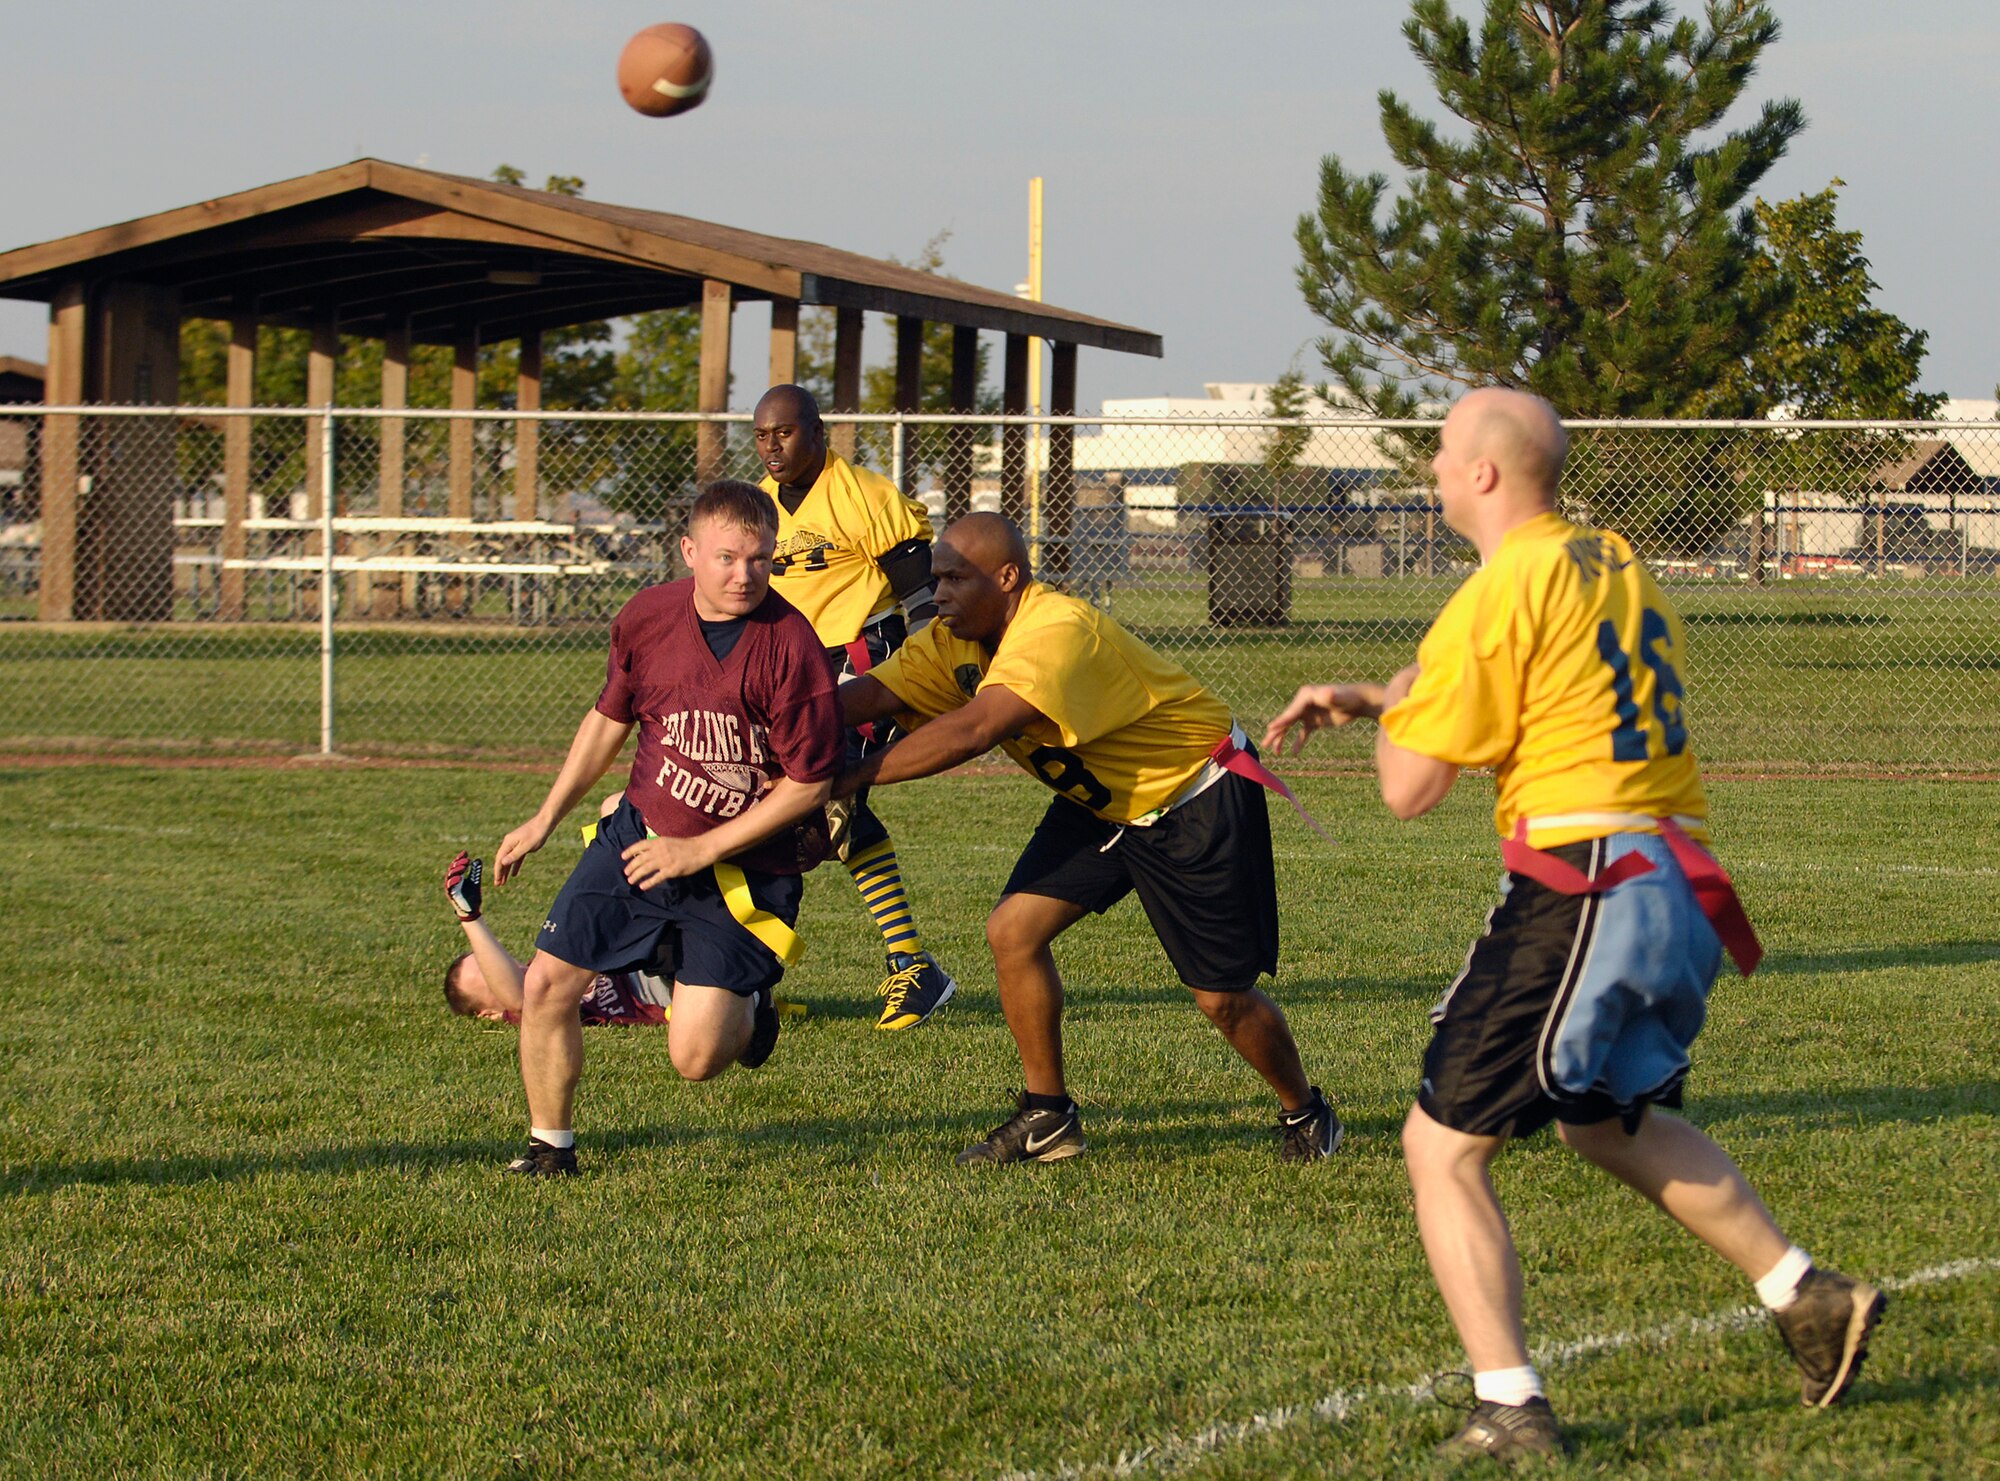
(412, 256)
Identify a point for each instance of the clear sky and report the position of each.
(1179, 141)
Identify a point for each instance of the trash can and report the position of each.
(1249, 569)
(1248, 549)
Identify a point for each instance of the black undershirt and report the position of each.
(721, 636)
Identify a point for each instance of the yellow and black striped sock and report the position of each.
(880, 880)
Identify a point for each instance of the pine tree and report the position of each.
(1580, 237)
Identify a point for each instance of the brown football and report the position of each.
(665, 69)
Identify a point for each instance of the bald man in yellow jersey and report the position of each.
(1558, 664)
(854, 555)
(1153, 794)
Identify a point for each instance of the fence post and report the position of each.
(326, 583)
(896, 437)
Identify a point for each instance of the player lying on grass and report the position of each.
(724, 810)
(1558, 664)
(485, 981)
(1151, 797)
(854, 555)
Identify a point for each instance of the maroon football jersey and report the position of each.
(714, 736)
(615, 998)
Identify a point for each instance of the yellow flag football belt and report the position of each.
(780, 939)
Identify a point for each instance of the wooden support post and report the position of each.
(393, 593)
(464, 397)
(322, 359)
(458, 487)
(62, 456)
(846, 377)
(784, 341)
(957, 472)
(909, 391)
(237, 434)
(1014, 438)
(718, 303)
(1059, 490)
(528, 435)
(125, 528)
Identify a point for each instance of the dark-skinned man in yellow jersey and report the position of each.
(1154, 795)
(854, 555)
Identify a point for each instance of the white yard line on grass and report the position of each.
(1174, 1453)
(1814, 866)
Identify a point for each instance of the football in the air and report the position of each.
(665, 69)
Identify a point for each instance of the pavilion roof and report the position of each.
(380, 243)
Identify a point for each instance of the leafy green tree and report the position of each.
(926, 449)
(1830, 352)
(1576, 240)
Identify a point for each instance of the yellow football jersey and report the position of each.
(827, 563)
(1558, 664)
(1125, 731)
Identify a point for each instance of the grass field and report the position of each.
(251, 1219)
(1864, 675)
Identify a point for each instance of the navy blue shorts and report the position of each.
(1203, 874)
(1575, 1008)
(602, 922)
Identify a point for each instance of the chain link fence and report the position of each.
(415, 583)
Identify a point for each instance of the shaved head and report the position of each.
(989, 541)
(1519, 434)
(981, 569)
(789, 403)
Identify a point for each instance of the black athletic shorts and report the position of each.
(1203, 873)
(1488, 1069)
(602, 922)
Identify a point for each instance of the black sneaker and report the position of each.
(1309, 1134)
(915, 988)
(544, 1161)
(1826, 1329)
(763, 1031)
(1029, 1136)
(1506, 1432)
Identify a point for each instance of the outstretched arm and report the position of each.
(973, 729)
(867, 698)
(1320, 706)
(1412, 783)
(596, 745)
(496, 964)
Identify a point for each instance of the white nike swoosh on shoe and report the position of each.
(1034, 1146)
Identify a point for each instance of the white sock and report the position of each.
(547, 1138)
(1507, 1385)
(1778, 1287)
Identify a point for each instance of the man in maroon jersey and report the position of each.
(739, 740)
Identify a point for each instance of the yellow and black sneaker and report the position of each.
(915, 988)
